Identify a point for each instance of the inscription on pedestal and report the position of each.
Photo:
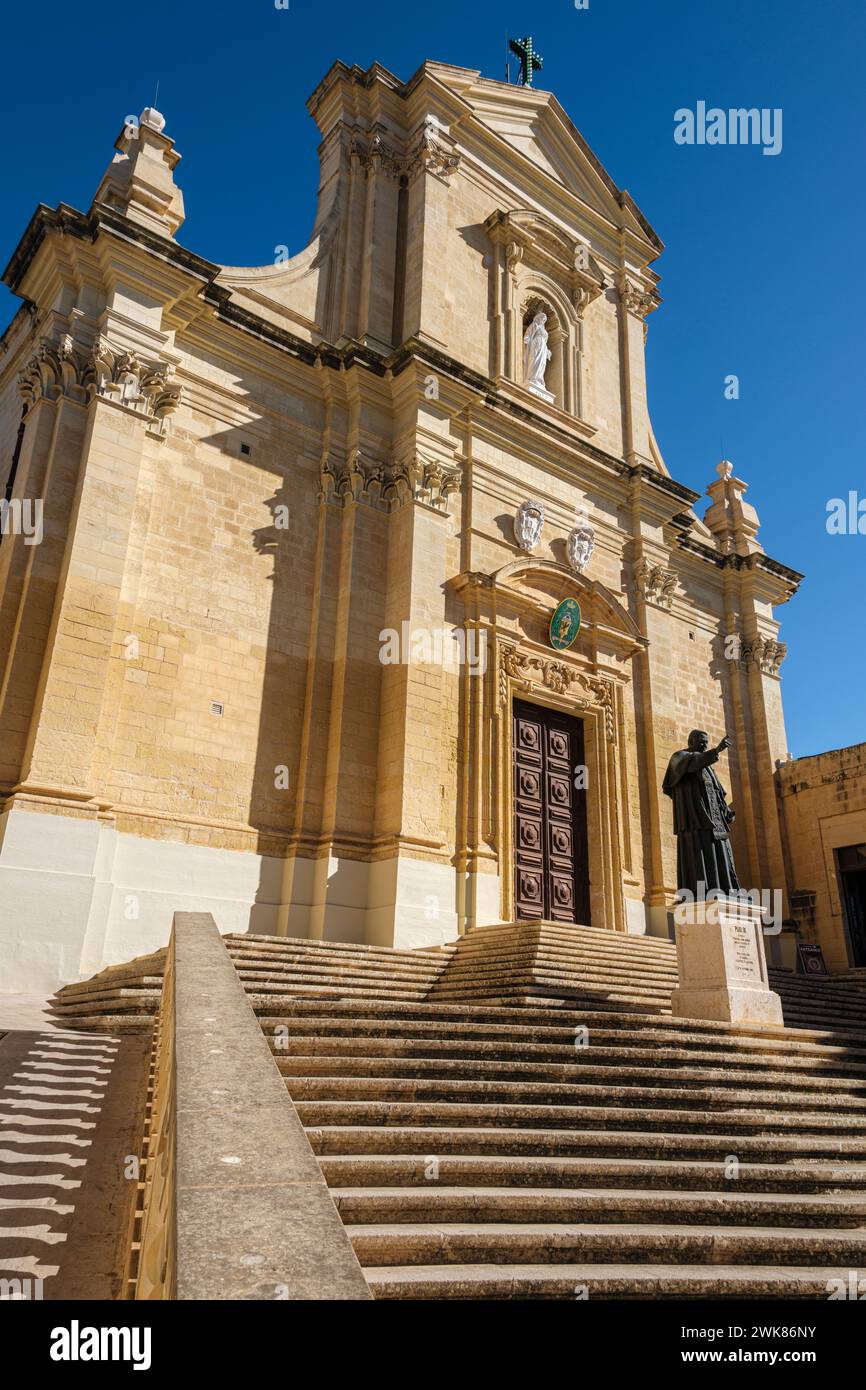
(722, 967)
(743, 955)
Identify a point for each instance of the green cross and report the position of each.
(530, 61)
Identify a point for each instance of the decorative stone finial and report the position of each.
(732, 521)
(139, 181)
(155, 119)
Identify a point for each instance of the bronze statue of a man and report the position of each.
(701, 818)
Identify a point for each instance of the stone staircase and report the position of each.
(518, 1116)
(120, 999)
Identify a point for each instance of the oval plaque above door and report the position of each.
(565, 624)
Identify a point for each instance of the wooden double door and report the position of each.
(551, 868)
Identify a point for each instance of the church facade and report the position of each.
(364, 605)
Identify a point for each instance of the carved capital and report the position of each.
(56, 369)
(432, 157)
(127, 380)
(636, 298)
(377, 156)
(387, 486)
(655, 584)
(763, 654)
(428, 155)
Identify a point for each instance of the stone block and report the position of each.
(722, 964)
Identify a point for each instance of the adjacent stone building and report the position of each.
(284, 651)
(823, 800)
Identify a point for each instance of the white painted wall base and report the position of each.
(76, 895)
(636, 921)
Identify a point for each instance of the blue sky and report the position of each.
(762, 276)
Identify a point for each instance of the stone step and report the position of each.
(305, 1041)
(391, 1110)
(465, 962)
(237, 941)
(105, 1023)
(522, 981)
(403, 1018)
(364, 986)
(543, 1243)
(552, 970)
(798, 1151)
(262, 993)
(788, 1107)
(282, 964)
(553, 996)
(433, 1203)
(129, 1000)
(93, 989)
(527, 1171)
(819, 1090)
(567, 932)
(602, 1281)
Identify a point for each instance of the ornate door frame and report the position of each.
(511, 609)
(555, 684)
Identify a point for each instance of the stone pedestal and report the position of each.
(543, 393)
(722, 965)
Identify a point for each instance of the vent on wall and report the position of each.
(216, 707)
(246, 450)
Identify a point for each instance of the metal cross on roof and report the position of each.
(530, 61)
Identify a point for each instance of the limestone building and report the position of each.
(823, 801)
(284, 649)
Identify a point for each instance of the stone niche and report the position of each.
(536, 266)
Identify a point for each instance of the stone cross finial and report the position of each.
(530, 61)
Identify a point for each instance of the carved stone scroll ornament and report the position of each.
(637, 299)
(585, 690)
(529, 524)
(56, 369)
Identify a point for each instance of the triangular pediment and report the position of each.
(534, 124)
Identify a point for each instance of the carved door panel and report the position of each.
(550, 848)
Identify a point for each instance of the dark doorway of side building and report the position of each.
(551, 869)
(851, 863)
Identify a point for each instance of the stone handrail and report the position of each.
(235, 1204)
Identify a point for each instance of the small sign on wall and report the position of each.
(810, 959)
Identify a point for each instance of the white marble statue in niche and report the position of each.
(536, 355)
